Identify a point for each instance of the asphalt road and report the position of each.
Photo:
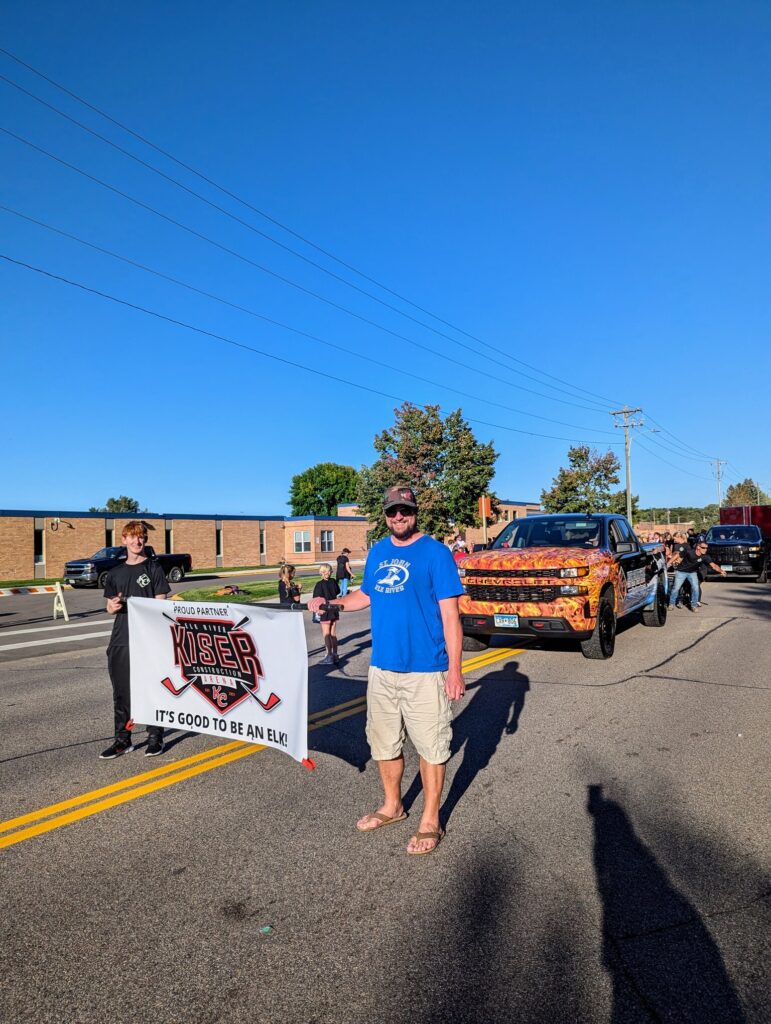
(606, 856)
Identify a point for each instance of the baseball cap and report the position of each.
(399, 496)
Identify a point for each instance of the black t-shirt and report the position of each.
(329, 590)
(145, 579)
(691, 562)
(343, 572)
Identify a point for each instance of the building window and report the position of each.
(39, 553)
(169, 539)
(262, 540)
(218, 539)
(327, 540)
(302, 541)
(109, 536)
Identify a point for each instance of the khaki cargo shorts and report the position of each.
(414, 704)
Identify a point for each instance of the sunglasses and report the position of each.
(402, 510)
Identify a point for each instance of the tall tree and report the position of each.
(120, 504)
(617, 503)
(746, 493)
(584, 485)
(321, 488)
(440, 459)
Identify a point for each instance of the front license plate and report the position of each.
(727, 568)
(510, 621)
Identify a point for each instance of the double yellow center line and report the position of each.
(46, 819)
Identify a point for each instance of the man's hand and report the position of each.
(454, 686)
(114, 604)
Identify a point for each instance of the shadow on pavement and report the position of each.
(661, 958)
(495, 709)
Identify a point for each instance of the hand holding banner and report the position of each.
(230, 670)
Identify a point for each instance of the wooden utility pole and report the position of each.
(626, 424)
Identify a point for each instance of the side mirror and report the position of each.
(624, 547)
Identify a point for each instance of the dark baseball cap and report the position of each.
(399, 496)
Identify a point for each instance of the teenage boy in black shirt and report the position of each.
(138, 576)
(691, 560)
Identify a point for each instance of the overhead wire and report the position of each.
(662, 459)
(246, 259)
(287, 327)
(257, 351)
(270, 238)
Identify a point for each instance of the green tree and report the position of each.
(617, 503)
(746, 493)
(440, 459)
(702, 518)
(120, 504)
(583, 486)
(321, 488)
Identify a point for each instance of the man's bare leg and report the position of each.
(391, 773)
(432, 776)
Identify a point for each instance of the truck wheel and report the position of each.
(602, 642)
(101, 580)
(477, 642)
(656, 614)
(176, 574)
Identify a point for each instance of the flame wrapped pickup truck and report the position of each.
(562, 576)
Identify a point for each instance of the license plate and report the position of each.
(727, 568)
(510, 621)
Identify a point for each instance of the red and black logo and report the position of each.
(219, 660)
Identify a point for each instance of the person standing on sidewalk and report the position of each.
(687, 568)
(412, 585)
(327, 589)
(344, 573)
(138, 576)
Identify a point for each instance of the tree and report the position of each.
(617, 503)
(440, 459)
(121, 504)
(702, 518)
(585, 485)
(321, 488)
(746, 493)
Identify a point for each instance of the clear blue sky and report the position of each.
(583, 187)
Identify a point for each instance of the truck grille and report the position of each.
(728, 555)
(509, 594)
(71, 571)
(514, 573)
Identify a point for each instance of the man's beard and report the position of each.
(407, 532)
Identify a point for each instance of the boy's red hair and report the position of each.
(136, 528)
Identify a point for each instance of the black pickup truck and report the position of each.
(92, 572)
(739, 550)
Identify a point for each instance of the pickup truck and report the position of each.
(92, 572)
(739, 551)
(562, 576)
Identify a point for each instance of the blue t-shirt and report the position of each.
(405, 584)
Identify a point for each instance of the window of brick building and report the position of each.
(39, 550)
(302, 541)
(169, 539)
(218, 539)
(109, 536)
(327, 540)
(262, 540)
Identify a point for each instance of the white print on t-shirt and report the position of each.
(391, 575)
(143, 580)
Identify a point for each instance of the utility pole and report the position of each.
(626, 424)
(719, 463)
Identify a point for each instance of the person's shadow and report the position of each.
(495, 709)
(662, 960)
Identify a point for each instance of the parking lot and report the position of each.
(606, 856)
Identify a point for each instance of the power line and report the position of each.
(709, 458)
(264, 215)
(246, 259)
(250, 348)
(287, 327)
(662, 459)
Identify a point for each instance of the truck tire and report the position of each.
(656, 614)
(602, 642)
(477, 642)
(102, 579)
(176, 574)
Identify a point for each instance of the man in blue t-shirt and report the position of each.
(412, 585)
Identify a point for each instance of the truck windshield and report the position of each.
(740, 534)
(551, 532)
(108, 553)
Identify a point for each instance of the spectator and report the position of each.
(687, 568)
(288, 590)
(328, 589)
(344, 572)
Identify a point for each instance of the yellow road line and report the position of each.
(66, 812)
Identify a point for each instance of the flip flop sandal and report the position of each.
(383, 819)
(438, 836)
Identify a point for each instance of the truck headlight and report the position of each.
(88, 565)
(754, 551)
(581, 570)
(572, 589)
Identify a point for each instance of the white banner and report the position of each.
(231, 670)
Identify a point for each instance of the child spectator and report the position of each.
(329, 590)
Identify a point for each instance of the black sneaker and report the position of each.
(154, 747)
(116, 750)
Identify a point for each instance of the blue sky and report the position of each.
(579, 187)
